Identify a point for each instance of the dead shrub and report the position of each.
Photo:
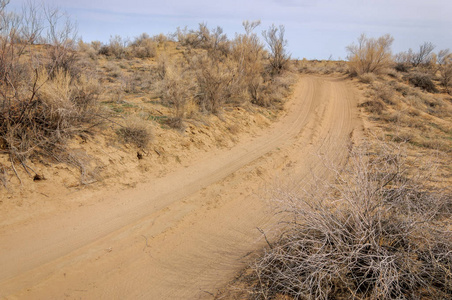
(160, 38)
(216, 82)
(135, 132)
(384, 92)
(373, 234)
(177, 88)
(401, 67)
(44, 99)
(49, 116)
(445, 68)
(117, 47)
(367, 78)
(422, 81)
(370, 55)
(279, 58)
(247, 50)
(373, 106)
(143, 47)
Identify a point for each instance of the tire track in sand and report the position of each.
(183, 235)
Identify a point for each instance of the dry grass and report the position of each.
(135, 132)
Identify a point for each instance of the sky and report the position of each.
(314, 29)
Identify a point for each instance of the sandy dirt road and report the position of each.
(184, 235)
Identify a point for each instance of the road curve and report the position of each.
(184, 235)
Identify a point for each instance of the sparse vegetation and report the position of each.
(216, 72)
(377, 231)
(423, 81)
(56, 88)
(43, 102)
(374, 234)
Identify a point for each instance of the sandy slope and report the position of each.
(184, 235)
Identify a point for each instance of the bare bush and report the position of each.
(216, 82)
(135, 132)
(61, 35)
(42, 102)
(247, 51)
(384, 92)
(367, 78)
(423, 81)
(444, 60)
(373, 234)
(375, 106)
(143, 47)
(424, 56)
(117, 47)
(370, 55)
(177, 88)
(235, 72)
(276, 42)
(186, 37)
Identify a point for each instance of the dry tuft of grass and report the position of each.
(135, 132)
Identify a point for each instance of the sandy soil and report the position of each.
(183, 235)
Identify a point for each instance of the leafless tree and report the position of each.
(33, 22)
(276, 42)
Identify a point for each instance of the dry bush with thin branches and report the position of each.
(279, 58)
(239, 70)
(248, 51)
(373, 234)
(384, 92)
(423, 81)
(116, 47)
(177, 88)
(216, 82)
(143, 47)
(423, 56)
(135, 132)
(42, 102)
(370, 55)
(444, 60)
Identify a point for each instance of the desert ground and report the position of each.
(185, 234)
(196, 165)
